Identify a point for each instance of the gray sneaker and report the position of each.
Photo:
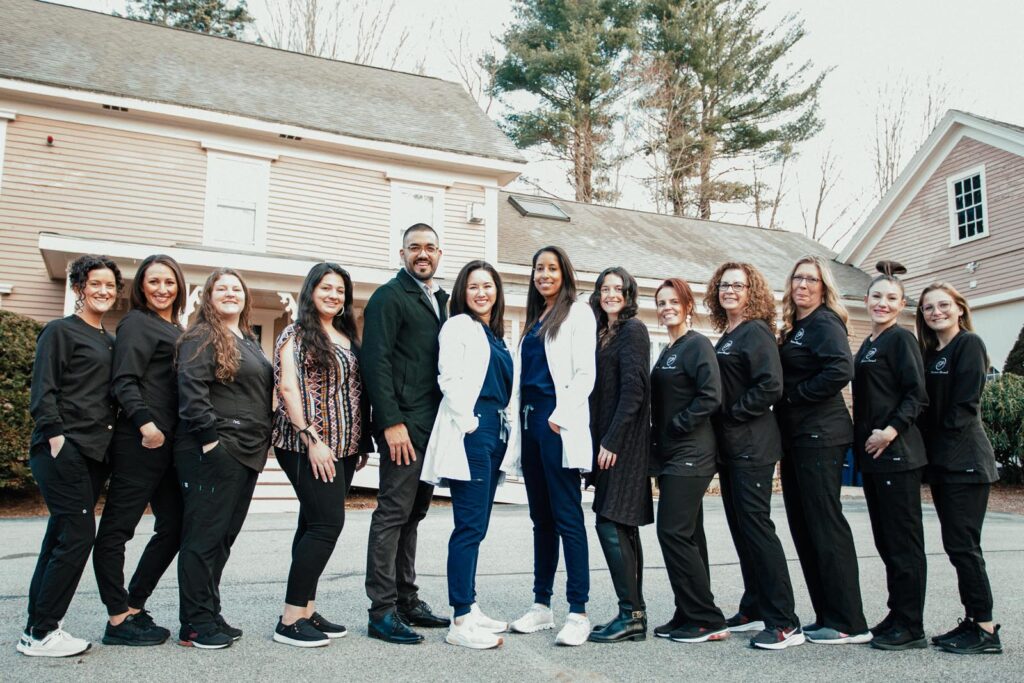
(830, 636)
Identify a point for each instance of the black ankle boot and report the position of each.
(620, 551)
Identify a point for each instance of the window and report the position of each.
(538, 208)
(411, 204)
(236, 201)
(968, 217)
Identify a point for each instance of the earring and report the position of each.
(340, 313)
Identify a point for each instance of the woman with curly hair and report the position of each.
(742, 308)
(816, 433)
(225, 389)
(74, 419)
(620, 416)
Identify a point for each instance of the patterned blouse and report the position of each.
(332, 403)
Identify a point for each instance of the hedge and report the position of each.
(17, 351)
(1002, 409)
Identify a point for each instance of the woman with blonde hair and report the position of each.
(742, 308)
(816, 433)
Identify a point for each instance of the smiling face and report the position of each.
(420, 254)
(481, 294)
(612, 298)
(733, 291)
(806, 288)
(547, 275)
(160, 287)
(941, 312)
(884, 301)
(329, 295)
(99, 291)
(671, 311)
(228, 297)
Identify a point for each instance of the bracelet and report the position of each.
(309, 435)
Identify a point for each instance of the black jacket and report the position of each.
(686, 390)
(888, 390)
(816, 366)
(237, 413)
(748, 358)
(399, 356)
(143, 380)
(958, 448)
(71, 386)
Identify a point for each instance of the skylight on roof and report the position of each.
(538, 208)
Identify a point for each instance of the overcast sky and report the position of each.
(972, 50)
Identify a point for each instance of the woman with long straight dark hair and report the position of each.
(74, 420)
(620, 418)
(472, 443)
(142, 452)
(961, 463)
(225, 395)
(555, 380)
(321, 426)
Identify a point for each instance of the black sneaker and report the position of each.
(898, 638)
(975, 641)
(778, 638)
(962, 626)
(691, 633)
(227, 629)
(883, 626)
(145, 619)
(131, 631)
(329, 629)
(300, 634)
(203, 636)
(739, 623)
(665, 630)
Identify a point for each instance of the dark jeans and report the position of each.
(471, 507)
(71, 485)
(321, 518)
(556, 509)
(768, 592)
(217, 490)
(961, 509)
(812, 480)
(139, 476)
(894, 506)
(402, 501)
(679, 518)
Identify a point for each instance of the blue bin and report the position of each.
(851, 473)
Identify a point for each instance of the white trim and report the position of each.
(996, 299)
(238, 150)
(491, 225)
(260, 198)
(396, 229)
(421, 176)
(3, 144)
(954, 228)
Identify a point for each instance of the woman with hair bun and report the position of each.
(74, 419)
(961, 463)
(888, 397)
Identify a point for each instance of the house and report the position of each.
(956, 214)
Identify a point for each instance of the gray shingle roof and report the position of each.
(74, 48)
(658, 246)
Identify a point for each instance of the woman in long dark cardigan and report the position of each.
(620, 416)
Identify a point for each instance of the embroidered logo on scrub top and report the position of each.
(798, 338)
(869, 357)
(670, 362)
(940, 367)
(724, 351)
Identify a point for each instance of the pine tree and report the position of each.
(1015, 361)
(216, 17)
(570, 54)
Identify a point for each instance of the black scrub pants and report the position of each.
(680, 518)
(139, 477)
(961, 509)
(217, 490)
(767, 589)
(71, 485)
(321, 519)
(812, 480)
(894, 506)
(402, 502)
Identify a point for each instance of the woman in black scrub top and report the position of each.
(888, 397)
(686, 390)
(74, 420)
(961, 464)
(742, 308)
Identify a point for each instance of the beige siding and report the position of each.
(463, 241)
(920, 236)
(93, 182)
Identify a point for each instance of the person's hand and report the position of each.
(361, 463)
(399, 444)
(56, 443)
(207, 447)
(606, 459)
(321, 460)
(555, 428)
(152, 437)
(879, 441)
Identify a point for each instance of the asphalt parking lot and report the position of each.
(254, 582)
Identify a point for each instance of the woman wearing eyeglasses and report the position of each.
(742, 308)
(816, 433)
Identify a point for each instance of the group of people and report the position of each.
(183, 420)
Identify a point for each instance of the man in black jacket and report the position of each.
(399, 369)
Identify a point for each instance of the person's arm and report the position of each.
(911, 388)
(133, 350)
(196, 372)
(53, 351)
(634, 373)
(968, 380)
(836, 365)
(583, 330)
(765, 388)
(453, 364)
(321, 459)
(708, 380)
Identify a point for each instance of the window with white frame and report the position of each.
(411, 204)
(236, 201)
(968, 214)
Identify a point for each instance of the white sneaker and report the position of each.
(539, 618)
(467, 634)
(484, 622)
(56, 643)
(576, 630)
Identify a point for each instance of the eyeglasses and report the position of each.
(808, 280)
(941, 307)
(734, 286)
(429, 249)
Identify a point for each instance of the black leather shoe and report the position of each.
(421, 615)
(629, 625)
(391, 629)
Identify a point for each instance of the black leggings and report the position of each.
(321, 518)
(961, 510)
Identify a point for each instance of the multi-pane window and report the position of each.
(968, 219)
